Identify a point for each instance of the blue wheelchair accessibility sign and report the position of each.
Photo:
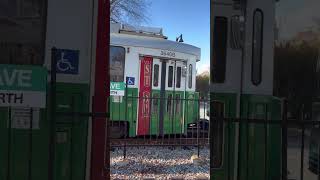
(67, 61)
(130, 80)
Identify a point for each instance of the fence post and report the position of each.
(302, 142)
(248, 127)
(73, 120)
(52, 98)
(266, 175)
(9, 145)
(318, 158)
(198, 125)
(126, 118)
(30, 145)
(228, 122)
(284, 140)
(150, 115)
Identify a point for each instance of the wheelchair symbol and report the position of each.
(63, 64)
(130, 80)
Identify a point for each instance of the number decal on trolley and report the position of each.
(168, 53)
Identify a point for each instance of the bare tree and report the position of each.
(129, 11)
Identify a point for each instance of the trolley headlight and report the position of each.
(192, 125)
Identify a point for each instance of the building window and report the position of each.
(156, 75)
(117, 63)
(257, 46)
(178, 82)
(190, 76)
(22, 32)
(219, 52)
(170, 76)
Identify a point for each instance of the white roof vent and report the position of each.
(142, 29)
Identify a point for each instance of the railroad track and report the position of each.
(147, 141)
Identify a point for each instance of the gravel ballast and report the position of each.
(159, 163)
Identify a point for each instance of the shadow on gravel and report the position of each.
(148, 168)
(158, 162)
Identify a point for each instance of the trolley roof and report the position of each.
(146, 41)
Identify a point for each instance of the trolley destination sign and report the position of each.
(22, 86)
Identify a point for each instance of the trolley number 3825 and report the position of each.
(168, 53)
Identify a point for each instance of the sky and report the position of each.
(188, 17)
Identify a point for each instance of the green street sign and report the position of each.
(23, 86)
(19, 77)
(117, 88)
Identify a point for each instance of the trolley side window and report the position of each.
(156, 75)
(220, 36)
(257, 41)
(23, 42)
(117, 63)
(170, 76)
(190, 76)
(178, 82)
(216, 133)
